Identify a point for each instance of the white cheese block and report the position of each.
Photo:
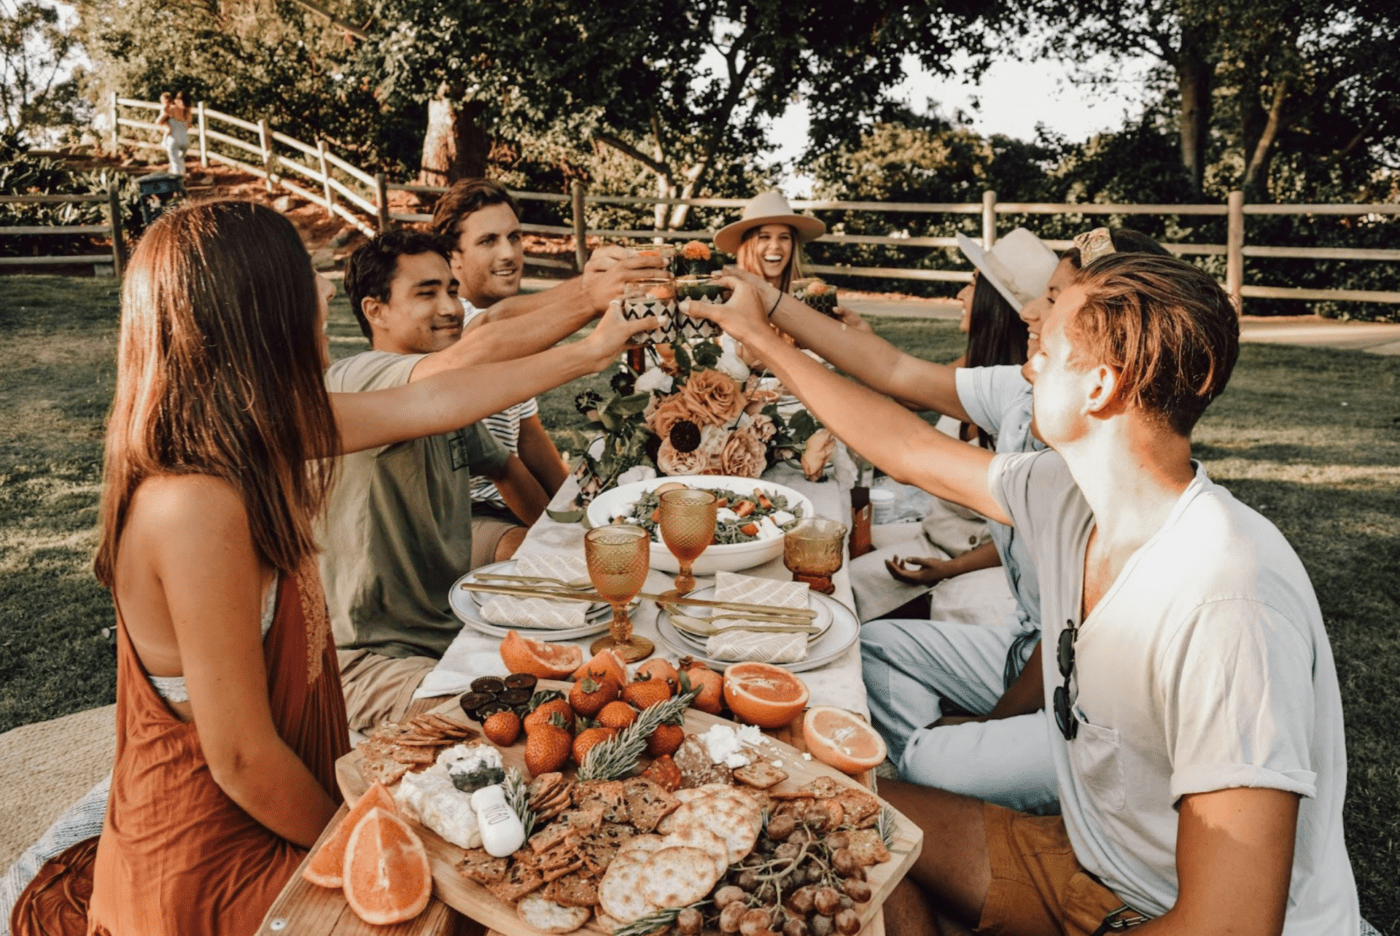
(430, 798)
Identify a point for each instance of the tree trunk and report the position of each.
(1195, 75)
(454, 146)
(1256, 176)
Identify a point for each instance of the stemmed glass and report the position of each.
(812, 552)
(618, 560)
(687, 527)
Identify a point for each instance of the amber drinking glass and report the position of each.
(687, 528)
(618, 560)
(812, 552)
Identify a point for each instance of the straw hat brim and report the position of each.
(730, 236)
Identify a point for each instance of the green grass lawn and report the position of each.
(1309, 437)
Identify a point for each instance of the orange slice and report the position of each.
(605, 665)
(386, 874)
(545, 660)
(842, 739)
(763, 694)
(325, 867)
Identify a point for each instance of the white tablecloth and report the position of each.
(839, 683)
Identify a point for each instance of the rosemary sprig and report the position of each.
(614, 757)
(518, 798)
(885, 825)
(655, 922)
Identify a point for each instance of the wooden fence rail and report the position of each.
(112, 229)
(990, 208)
(369, 194)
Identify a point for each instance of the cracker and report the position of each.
(522, 878)
(858, 806)
(823, 787)
(760, 774)
(693, 760)
(728, 817)
(678, 877)
(477, 865)
(620, 892)
(576, 889)
(550, 917)
(647, 803)
(867, 847)
(693, 836)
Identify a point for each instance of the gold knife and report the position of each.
(801, 614)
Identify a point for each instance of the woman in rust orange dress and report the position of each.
(229, 708)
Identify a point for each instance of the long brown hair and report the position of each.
(747, 257)
(219, 373)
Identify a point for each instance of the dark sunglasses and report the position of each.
(1064, 655)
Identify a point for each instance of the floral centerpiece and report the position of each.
(692, 410)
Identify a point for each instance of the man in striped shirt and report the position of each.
(482, 220)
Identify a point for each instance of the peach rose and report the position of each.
(671, 462)
(820, 448)
(758, 399)
(743, 455)
(666, 359)
(762, 426)
(716, 395)
(667, 412)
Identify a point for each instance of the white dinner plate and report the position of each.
(843, 631)
(466, 608)
(507, 567)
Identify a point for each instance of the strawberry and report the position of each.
(617, 715)
(645, 692)
(588, 695)
(665, 740)
(542, 713)
(502, 728)
(695, 674)
(547, 748)
(585, 740)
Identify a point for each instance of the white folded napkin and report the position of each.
(510, 611)
(758, 646)
(755, 647)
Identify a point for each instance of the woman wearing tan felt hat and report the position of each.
(767, 239)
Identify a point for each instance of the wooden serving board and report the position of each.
(477, 902)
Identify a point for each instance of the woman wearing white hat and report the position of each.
(767, 240)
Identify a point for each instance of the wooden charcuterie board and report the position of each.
(475, 901)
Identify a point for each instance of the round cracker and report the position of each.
(693, 836)
(678, 876)
(639, 845)
(550, 917)
(730, 818)
(620, 891)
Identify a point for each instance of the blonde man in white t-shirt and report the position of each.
(1197, 729)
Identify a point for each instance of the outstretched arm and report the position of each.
(861, 353)
(589, 290)
(897, 441)
(456, 397)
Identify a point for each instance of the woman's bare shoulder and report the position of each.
(188, 505)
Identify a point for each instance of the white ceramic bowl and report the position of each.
(728, 557)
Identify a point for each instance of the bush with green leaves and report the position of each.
(23, 174)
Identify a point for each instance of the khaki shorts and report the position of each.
(379, 688)
(488, 528)
(1038, 886)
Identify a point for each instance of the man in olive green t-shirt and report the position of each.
(398, 529)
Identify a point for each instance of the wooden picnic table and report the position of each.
(303, 909)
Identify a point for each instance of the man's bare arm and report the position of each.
(589, 288)
(521, 491)
(897, 441)
(1234, 862)
(540, 456)
(1025, 695)
(863, 354)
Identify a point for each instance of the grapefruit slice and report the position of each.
(545, 660)
(386, 874)
(605, 665)
(842, 739)
(325, 867)
(763, 694)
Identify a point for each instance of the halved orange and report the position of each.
(842, 739)
(386, 874)
(763, 694)
(545, 660)
(326, 866)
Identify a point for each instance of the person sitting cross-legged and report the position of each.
(1197, 732)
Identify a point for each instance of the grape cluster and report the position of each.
(796, 882)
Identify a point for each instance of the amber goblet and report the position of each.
(812, 552)
(618, 560)
(687, 528)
